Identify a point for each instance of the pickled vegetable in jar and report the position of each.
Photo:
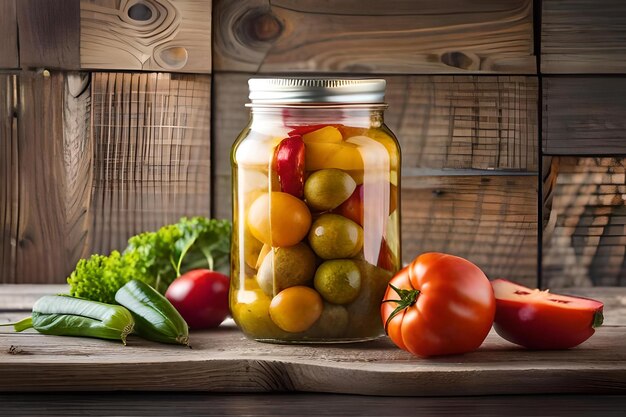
(316, 214)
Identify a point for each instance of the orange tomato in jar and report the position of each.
(279, 219)
(295, 309)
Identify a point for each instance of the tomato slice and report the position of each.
(541, 320)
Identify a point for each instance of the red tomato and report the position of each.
(542, 320)
(352, 208)
(438, 305)
(201, 297)
(386, 260)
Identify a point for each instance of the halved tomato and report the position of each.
(541, 320)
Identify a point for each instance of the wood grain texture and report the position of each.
(9, 174)
(549, 175)
(231, 94)
(585, 235)
(584, 116)
(305, 404)
(222, 360)
(21, 297)
(49, 32)
(53, 176)
(9, 54)
(464, 122)
(450, 130)
(397, 36)
(78, 153)
(162, 35)
(583, 36)
(152, 153)
(490, 220)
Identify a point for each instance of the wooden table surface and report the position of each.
(224, 361)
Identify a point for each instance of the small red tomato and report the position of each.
(352, 208)
(201, 297)
(438, 305)
(386, 259)
(541, 320)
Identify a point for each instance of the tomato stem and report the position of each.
(407, 299)
(598, 319)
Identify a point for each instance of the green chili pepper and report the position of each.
(69, 316)
(155, 317)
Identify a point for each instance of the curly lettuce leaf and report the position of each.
(99, 277)
(156, 258)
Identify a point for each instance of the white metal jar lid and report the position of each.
(316, 90)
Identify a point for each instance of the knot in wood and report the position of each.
(461, 60)
(261, 26)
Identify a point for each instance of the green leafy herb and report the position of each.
(156, 258)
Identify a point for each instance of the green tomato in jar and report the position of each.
(326, 189)
(335, 237)
(250, 310)
(332, 324)
(286, 267)
(364, 311)
(338, 281)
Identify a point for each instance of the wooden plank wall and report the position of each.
(156, 35)
(152, 153)
(355, 36)
(88, 159)
(49, 33)
(9, 55)
(9, 175)
(583, 37)
(583, 57)
(118, 149)
(585, 233)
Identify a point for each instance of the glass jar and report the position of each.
(316, 215)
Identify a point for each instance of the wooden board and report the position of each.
(583, 36)
(584, 116)
(9, 54)
(585, 232)
(158, 35)
(303, 404)
(152, 153)
(397, 36)
(49, 33)
(156, 404)
(21, 297)
(224, 361)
